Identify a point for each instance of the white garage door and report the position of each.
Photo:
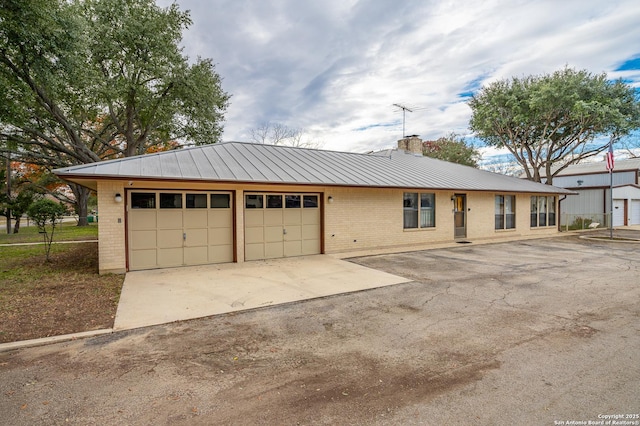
(170, 228)
(281, 225)
(635, 212)
(618, 212)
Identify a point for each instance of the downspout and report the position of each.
(560, 213)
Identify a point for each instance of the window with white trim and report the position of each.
(505, 211)
(543, 211)
(419, 210)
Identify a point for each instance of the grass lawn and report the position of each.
(67, 231)
(65, 295)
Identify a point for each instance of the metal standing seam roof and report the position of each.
(601, 167)
(257, 163)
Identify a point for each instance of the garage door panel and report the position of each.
(294, 233)
(273, 217)
(143, 240)
(310, 232)
(273, 250)
(196, 255)
(170, 256)
(254, 235)
(254, 251)
(168, 238)
(220, 236)
(273, 234)
(311, 216)
(196, 237)
(221, 253)
(292, 248)
(142, 259)
(142, 219)
(169, 219)
(311, 246)
(195, 219)
(220, 218)
(293, 216)
(253, 218)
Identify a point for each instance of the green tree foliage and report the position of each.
(551, 121)
(20, 185)
(452, 148)
(19, 204)
(45, 214)
(86, 80)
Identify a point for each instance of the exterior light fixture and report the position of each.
(118, 198)
(330, 199)
(580, 182)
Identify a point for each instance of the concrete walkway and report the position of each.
(165, 295)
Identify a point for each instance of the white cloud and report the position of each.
(336, 67)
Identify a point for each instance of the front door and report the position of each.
(619, 212)
(459, 216)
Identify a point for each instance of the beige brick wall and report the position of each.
(111, 229)
(357, 219)
(373, 218)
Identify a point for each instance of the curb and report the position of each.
(4, 347)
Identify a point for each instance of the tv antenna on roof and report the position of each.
(404, 109)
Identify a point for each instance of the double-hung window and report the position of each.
(419, 210)
(543, 211)
(505, 211)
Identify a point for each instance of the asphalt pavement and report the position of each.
(537, 332)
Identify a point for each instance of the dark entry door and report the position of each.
(459, 216)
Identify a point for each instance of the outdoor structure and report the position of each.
(591, 181)
(236, 202)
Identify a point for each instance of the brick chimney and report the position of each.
(411, 144)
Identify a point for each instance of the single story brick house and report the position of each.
(236, 202)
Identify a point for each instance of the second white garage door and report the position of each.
(281, 225)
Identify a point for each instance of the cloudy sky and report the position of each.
(336, 67)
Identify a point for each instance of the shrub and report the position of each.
(46, 213)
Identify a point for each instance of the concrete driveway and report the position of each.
(540, 332)
(165, 295)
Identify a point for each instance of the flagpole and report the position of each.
(611, 203)
(610, 167)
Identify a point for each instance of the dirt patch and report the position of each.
(65, 295)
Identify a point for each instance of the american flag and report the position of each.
(610, 158)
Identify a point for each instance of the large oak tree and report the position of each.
(86, 80)
(551, 121)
